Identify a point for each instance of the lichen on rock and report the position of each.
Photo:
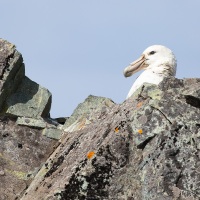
(29, 100)
(146, 148)
(87, 112)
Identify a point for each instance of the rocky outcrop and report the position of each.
(146, 148)
(19, 96)
(30, 100)
(24, 110)
(23, 150)
(87, 112)
(11, 71)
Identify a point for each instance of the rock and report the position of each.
(23, 151)
(19, 96)
(52, 133)
(37, 123)
(30, 100)
(12, 71)
(145, 148)
(87, 112)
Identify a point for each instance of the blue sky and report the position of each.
(80, 47)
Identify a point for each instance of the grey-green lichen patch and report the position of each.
(85, 112)
(146, 123)
(155, 94)
(52, 133)
(26, 121)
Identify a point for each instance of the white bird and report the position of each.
(158, 62)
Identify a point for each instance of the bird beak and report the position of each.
(135, 66)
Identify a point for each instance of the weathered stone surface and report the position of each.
(53, 133)
(22, 152)
(144, 149)
(30, 100)
(147, 148)
(19, 96)
(11, 71)
(37, 123)
(87, 112)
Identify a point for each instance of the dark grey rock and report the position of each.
(23, 149)
(30, 100)
(22, 152)
(144, 149)
(12, 71)
(147, 148)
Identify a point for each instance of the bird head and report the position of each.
(157, 58)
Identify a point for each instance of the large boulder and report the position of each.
(24, 111)
(19, 96)
(12, 71)
(29, 100)
(144, 149)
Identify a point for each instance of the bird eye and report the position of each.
(152, 52)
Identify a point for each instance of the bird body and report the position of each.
(158, 62)
(146, 77)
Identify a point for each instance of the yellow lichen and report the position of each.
(140, 131)
(18, 174)
(116, 130)
(139, 104)
(90, 154)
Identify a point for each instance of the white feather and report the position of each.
(157, 66)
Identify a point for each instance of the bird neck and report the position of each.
(162, 70)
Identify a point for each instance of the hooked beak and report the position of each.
(135, 66)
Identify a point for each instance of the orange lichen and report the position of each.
(90, 154)
(81, 124)
(139, 104)
(116, 130)
(140, 131)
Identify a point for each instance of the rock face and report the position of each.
(19, 96)
(22, 152)
(147, 148)
(87, 112)
(11, 70)
(29, 100)
(24, 107)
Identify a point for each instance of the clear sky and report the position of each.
(80, 47)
